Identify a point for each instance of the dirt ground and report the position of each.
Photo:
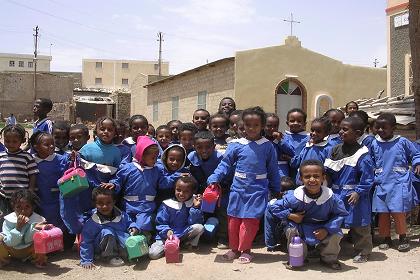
(207, 263)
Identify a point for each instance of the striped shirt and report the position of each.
(15, 169)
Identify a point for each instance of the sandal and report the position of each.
(230, 255)
(404, 246)
(360, 259)
(245, 258)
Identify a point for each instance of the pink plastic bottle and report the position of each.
(172, 249)
(47, 241)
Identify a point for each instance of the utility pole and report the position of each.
(160, 39)
(36, 30)
(291, 21)
(375, 62)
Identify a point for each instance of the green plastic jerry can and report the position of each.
(73, 182)
(136, 246)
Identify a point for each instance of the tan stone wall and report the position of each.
(43, 63)
(112, 72)
(139, 95)
(217, 80)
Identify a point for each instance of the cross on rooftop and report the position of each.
(291, 21)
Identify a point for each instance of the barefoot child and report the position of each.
(181, 216)
(16, 238)
(256, 174)
(313, 212)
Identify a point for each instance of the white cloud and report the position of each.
(216, 12)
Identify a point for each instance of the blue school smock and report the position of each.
(295, 140)
(95, 230)
(366, 140)
(282, 164)
(415, 179)
(44, 125)
(2, 148)
(178, 217)
(126, 155)
(50, 169)
(353, 174)
(327, 211)
(138, 186)
(255, 173)
(334, 139)
(394, 191)
(319, 151)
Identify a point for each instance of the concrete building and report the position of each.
(399, 74)
(117, 74)
(277, 78)
(12, 62)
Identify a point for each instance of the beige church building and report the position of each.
(277, 78)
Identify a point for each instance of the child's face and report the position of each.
(233, 122)
(218, 127)
(271, 126)
(296, 122)
(312, 178)
(45, 146)
(24, 207)
(204, 148)
(163, 136)
(78, 139)
(348, 134)
(174, 127)
(318, 132)
(186, 138)
(201, 119)
(38, 110)
(104, 204)
(138, 128)
(12, 141)
(183, 191)
(175, 159)
(106, 131)
(241, 129)
(351, 108)
(335, 119)
(227, 106)
(252, 126)
(61, 138)
(150, 156)
(384, 129)
(120, 135)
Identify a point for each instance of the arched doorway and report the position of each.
(323, 103)
(290, 93)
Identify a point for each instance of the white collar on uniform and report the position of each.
(48, 158)
(305, 133)
(336, 165)
(300, 195)
(362, 138)
(377, 137)
(174, 204)
(141, 168)
(129, 140)
(245, 141)
(117, 218)
(320, 144)
(100, 167)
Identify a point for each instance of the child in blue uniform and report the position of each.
(181, 216)
(138, 126)
(51, 168)
(201, 119)
(335, 116)
(313, 212)
(317, 148)
(174, 126)
(122, 132)
(394, 194)
(138, 182)
(351, 107)
(79, 136)
(204, 160)
(163, 137)
(171, 167)
(187, 132)
(226, 106)
(61, 134)
(366, 139)
(106, 231)
(350, 168)
(42, 107)
(256, 173)
(272, 134)
(219, 125)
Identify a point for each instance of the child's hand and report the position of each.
(21, 221)
(278, 135)
(297, 217)
(73, 155)
(417, 170)
(133, 231)
(88, 266)
(321, 233)
(197, 200)
(353, 198)
(169, 233)
(42, 225)
(109, 186)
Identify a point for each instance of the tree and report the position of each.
(414, 33)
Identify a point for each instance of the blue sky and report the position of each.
(194, 30)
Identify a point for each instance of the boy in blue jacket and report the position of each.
(106, 231)
(181, 216)
(313, 212)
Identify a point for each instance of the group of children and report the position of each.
(150, 181)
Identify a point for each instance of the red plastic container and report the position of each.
(210, 197)
(47, 241)
(172, 249)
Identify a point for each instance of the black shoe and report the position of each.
(403, 245)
